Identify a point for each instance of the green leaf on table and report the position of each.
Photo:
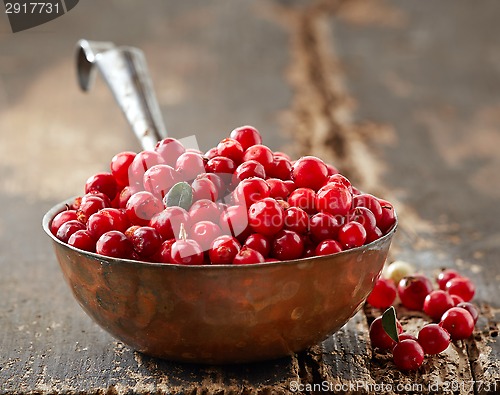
(181, 195)
(389, 323)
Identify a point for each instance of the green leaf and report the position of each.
(181, 195)
(389, 323)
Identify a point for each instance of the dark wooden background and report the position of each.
(403, 96)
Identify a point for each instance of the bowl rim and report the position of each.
(59, 207)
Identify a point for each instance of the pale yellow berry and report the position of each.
(397, 270)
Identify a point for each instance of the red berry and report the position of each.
(114, 244)
(259, 243)
(472, 309)
(278, 189)
(388, 217)
(203, 188)
(352, 235)
(204, 232)
(120, 166)
(433, 339)
(309, 172)
(211, 153)
(61, 218)
(216, 180)
(142, 206)
(462, 287)
(204, 210)
(163, 253)
(456, 299)
(297, 220)
(371, 236)
(250, 168)
(232, 149)
(124, 196)
(145, 240)
(332, 170)
(378, 336)
(323, 226)
(248, 256)
(106, 220)
(102, 182)
(304, 198)
(458, 322)
(413, 290)
(406, 335)
(383, 294)
(436, 303)
(189, 165)
(251, 190)
(334, 199)
(340, 180)
(159, 179)
(234, 220)
(83, 240)
(370, 202)
(266, 217)
(365, 217)
(261, 154)
(444, 276)
(287, 245)
(186, 252)
(408, 355)
(142, 162)
(246, 136)
(170, 149)
(65, 231)
(90, 204)
(281, 168)
(168, 222)
(222, 166)
(327, 247)
(223, 250)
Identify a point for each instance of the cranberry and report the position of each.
(204, 209)
(168, 222)
(61, 218)
(223, 250)
(232, 149)
(120, 166)
(304, 198)
(114, 244)
(433, 339)
(334, 199)
(280, 168)
(323, 226)
(203, 188)
(247, 136)
(234, 220)
(261, 154)
(251, 190)
(259, 243)
(247, 256)
(408, 355)
(189, 165)
(297, 220)
(378, 336)
(462, 287)
(383, 294)
(266, 217)
(327, 247)
(170, 149)
(370, 202)
(413, 290)
(142, 206)
(437, 303)
(186, 252)
(287, 245)
(458, 322)
(474, 312)
(145, 240)
(142, 162)
(352, 235)
(204, 232)
(106, 220)
(83, 240)
(250, 168)
(309, 172)
(90, 204)
(159, 179)
(65, 231)
(444, 276)
(102, 182)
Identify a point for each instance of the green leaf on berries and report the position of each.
(181, 195)
(389, 323)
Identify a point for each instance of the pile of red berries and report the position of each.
(449, 307)
(238, 203)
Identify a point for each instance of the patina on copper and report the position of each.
(221, 313)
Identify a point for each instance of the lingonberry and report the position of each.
(370, 202)
(143, 161)
(408, 355)
(436, 303)
(365, 217)
(297, 220)
(106, 220)
(332, 170)
(204, 232)
(186, 252)
(114, 244)
(351, 235)
(65, 231)
(250, 168)
(383, 294)
(124, 196)
(458, 322)
(413, 290)
(309, 172)
(120, 164)
(277, 188)
(266, 217)
(456, 299)
(251, 190)
(247, 256)
(222, 166)
(232, 149)
(462, 287)
(142, 206)
(83, 240)
(159, 179)
(102, 182)
(472, 309)
(168, 222)
(379, 337)
(234, 221)
(61, 218)
(211, 153)
(334, 199)
(203, 188)
(247, 136)
(327, 247)
(304, 198)
(323, 226)
(261, 154)
(373, 235)
(406, 335)
(287, 245)
(216, 180)
(340, 179)
(223, 250)
(170, 149)
(280, 168)
(189, 165)
(399, 269)
(388, 217)
(433, 339)
(89, 205)
(204, 210)
(145, 240)
(163, 253)
(259, 243)
(444, 276)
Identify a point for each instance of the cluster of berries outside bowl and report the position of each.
(235, 255)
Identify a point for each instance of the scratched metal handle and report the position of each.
(125, 71)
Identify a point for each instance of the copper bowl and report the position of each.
(221, 313)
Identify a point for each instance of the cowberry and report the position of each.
(340, 179)
(280, 168)
(204, 210)
(65, 231)
(379, 337)
(145, 240)
(250, 168)
(383, 294)
(458, 322)
(83, 240)
(189, 165)
(304, 198)
(365, 217)
(204, 232)
(168, 222)
(408, 355)
(323, 226)
(472, 309)
(370, 202)
(232, 149)
(277, 188)
(142, 162)
(261, 154)
(106, 220)
(327, 247)
(234, 220)
(159, 179)
(248, 256)
(437, 303)
(61, 218)
(352, 235)
(388, 218)
(433, 339)
(462, 287)
(444, 276)
(163, 253)
(142, 206)
(114, 244)
(223, 250)
(456, 299)
(222, 166)
(251, 190)
(102, 182)
(309, 172)
(259, 243)
(186, 252)
(334, 199)
(120, 164)
(266, 217)
(204, 188)
(246, 136)
(89, 205)
(297, 220)
(287, 245)
(413, 290)
(170, 149)
(406, 335)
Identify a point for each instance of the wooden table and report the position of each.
(401, 96)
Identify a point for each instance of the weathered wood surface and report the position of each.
(401, 98)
